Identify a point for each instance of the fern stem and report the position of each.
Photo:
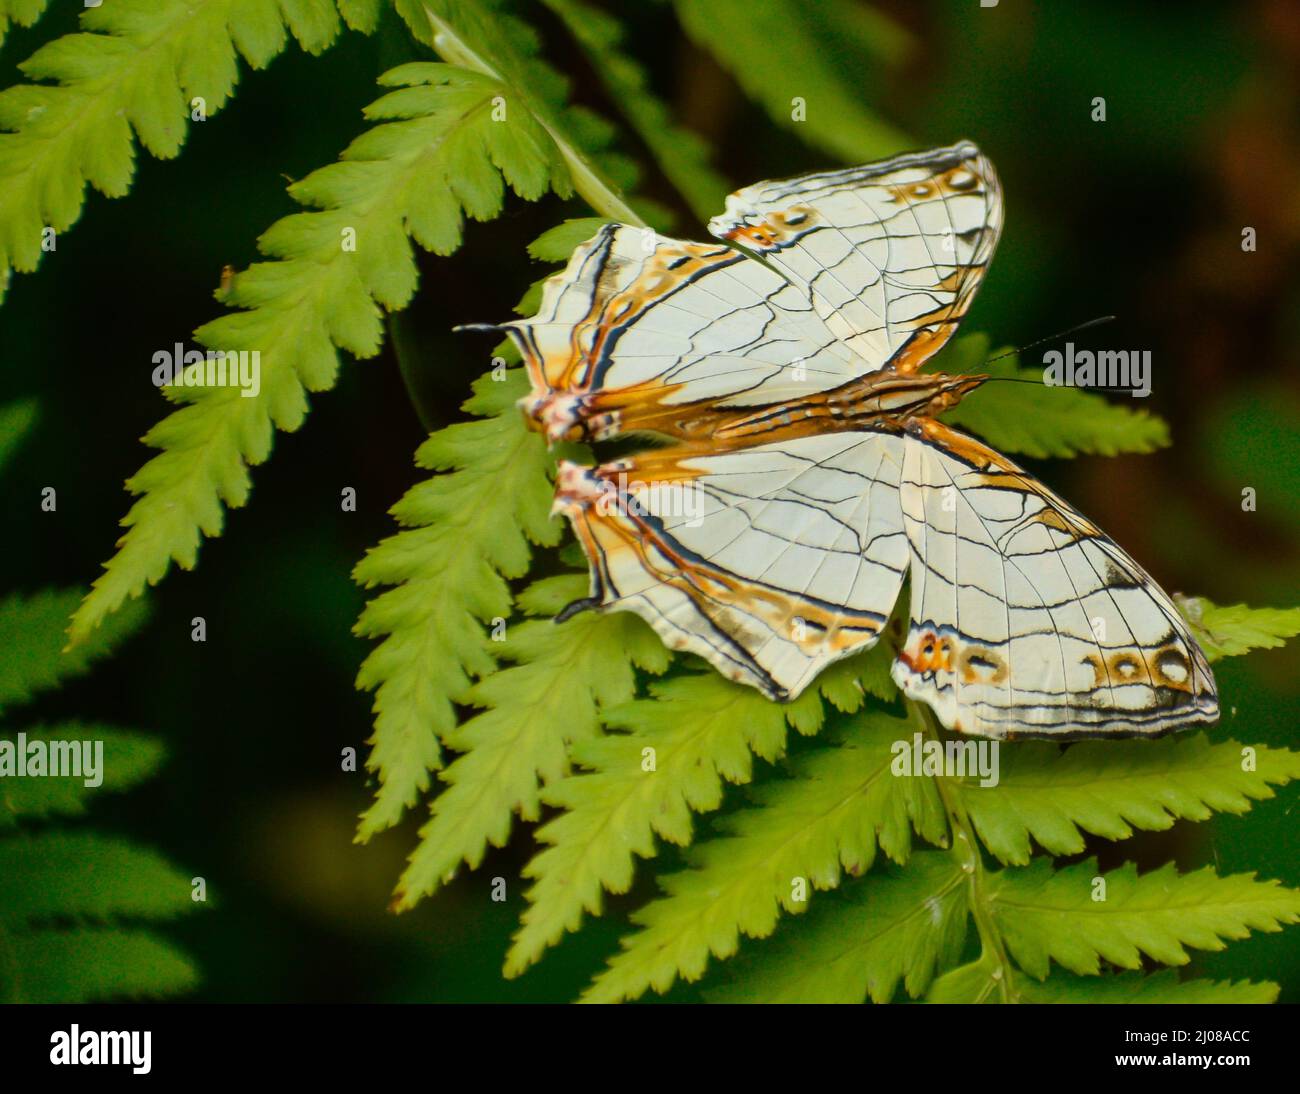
(602, 196)
(966, 851)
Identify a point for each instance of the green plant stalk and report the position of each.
(595, 191)
(966, 850)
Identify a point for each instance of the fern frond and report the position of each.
(981, 981)
(802, 834)
(132, 73)
(681, 744)
(128, 758)
(21, 13)
(1033, 419)
(846, 684)
(813, 38)
(97, 884)
(976, 983)
(70, 900)
(438, 155)
(484, 38)
(31, 636)
(1108, 788)
(360, 15)
(90, 963)
(739, 882)
(558, 243)
(547, 702)
(681, 155)
(86, 877)
(861, 941)
(16, 421)
(79, 878)
(1133, 987)
(1046, 915)
(1233, 629)
(466, 532)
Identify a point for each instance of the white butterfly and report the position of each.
(810, 475)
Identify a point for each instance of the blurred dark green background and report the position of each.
(1140, 216)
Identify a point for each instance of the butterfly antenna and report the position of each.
(1043, 383)
(1053, 337)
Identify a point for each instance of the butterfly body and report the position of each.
(808, 474)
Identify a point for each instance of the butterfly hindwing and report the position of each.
(770, 562)
(1026, 620)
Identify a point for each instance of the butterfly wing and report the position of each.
(890, 254)
(1025, 619)
(770, 562)
(641, 332)
(859, 270)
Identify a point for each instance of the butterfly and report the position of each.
(808, 474)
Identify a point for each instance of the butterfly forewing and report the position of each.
(643, 332)
(890, 254)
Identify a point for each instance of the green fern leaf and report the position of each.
(17, 419)
(86, 876)
(136, 68)
(977, 983)
(90, 963)
(1033, 419)
(443, 155)
(361, 15)
(127, 759)
(75, 876)
(682, 743)
(1108, 788)
(982, 981)
(1131, 987)
(554, 245)
(814, 40)
(467, 531)
(860, 942)
(803, 834)
(558, 243)
(485, 38)
(1233, 629)
(31, 635)
(21, 13)
(846, 683)
(547, 701)
(682, 156)
(1045, 914)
